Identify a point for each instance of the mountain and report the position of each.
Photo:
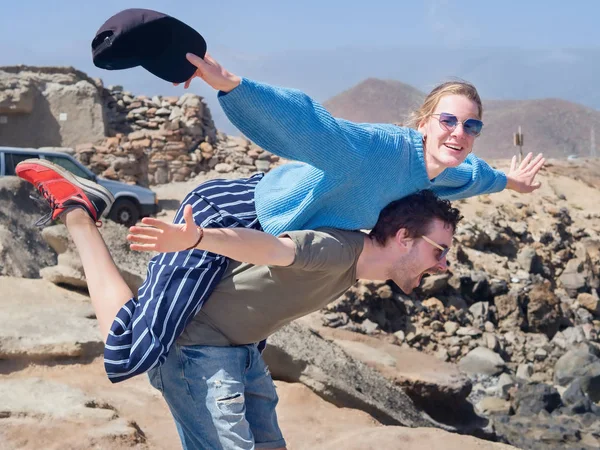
(557, 128)
(375, 100)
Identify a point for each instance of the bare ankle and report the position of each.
(77, 216)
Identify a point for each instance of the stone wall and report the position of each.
(137, 139)
(49, 106)
(163, 139)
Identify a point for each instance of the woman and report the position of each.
(354, 170)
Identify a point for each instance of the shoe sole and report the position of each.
(81, 183)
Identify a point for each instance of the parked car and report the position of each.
(131, 202)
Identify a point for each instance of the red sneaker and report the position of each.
(63, 190)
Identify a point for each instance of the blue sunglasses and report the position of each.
(449, 122)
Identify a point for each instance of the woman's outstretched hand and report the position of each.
(213, 73)
(164, 237)
(521, 177)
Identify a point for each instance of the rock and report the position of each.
(434, 304)
(540, 354)
(41, 321)
(400, 336)
(482, 360)
(581, 393)
(505, 382)
(434, 284)
(425, 378)
(583, 316)
(524, 371)
(543, 313)
(579, 362)
(45, 408)
(493, 405)
(531, 399)
(468, 331)
(576, 276)
(476, 286)
(262, 166)
(295, 354)
(69, 270)
(573, 335)
(163, 112)
(589, 302)
(43, 398)
(442, 354)
(369, 327)
(529, 260)
(480, 312)
(491, 342)
(451, 328)
(23, 252)
(509, 311)
(224, 168)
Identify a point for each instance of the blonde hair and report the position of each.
(458, 87)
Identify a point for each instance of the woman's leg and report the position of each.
(108, 291)
(139, 331)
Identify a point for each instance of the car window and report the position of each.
(12, 159)
(69, 165)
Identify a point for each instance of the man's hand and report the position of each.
(164, 237)
(213, 73)
(521, 178)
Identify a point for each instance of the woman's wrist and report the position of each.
(200, 236)
(232, 82)
(510, 183)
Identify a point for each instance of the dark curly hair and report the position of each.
(415, 214)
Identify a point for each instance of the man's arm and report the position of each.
(240, 244)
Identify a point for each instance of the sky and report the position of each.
(40, 32)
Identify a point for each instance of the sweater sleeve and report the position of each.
(473, 177)
(290, 124)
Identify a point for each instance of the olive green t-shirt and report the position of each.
(252, 302)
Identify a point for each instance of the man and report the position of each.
(213, 378)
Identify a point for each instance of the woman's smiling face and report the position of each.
(445, 147)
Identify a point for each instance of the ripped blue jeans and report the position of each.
(220, 397)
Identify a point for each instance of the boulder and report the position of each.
(23, 252)
(543, 312)
(578, 362)
(296, 354)
(41, 321)
(69, 270)
(437, 387)
(482, 360)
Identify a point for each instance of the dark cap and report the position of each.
(153, 40)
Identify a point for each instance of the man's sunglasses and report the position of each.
(449, 122)
(444, 249)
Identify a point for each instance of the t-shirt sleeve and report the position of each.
(322, 251)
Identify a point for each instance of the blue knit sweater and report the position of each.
(352, 170)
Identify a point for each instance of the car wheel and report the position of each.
(125, 212)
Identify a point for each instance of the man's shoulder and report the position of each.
(327, 234)
(326, 248)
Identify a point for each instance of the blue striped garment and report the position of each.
(177, 284)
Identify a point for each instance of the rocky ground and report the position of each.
(504, 347)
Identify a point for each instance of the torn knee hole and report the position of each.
(234, 398)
